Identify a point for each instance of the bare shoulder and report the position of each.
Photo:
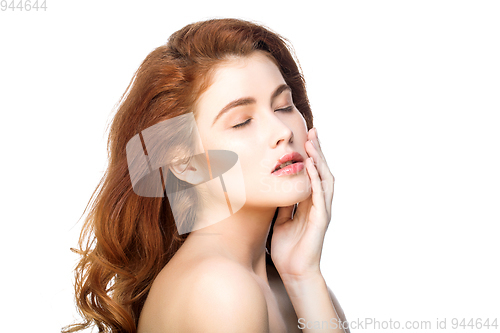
(215, 295)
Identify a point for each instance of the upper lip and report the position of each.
(293, 156)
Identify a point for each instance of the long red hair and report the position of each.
(127, 239)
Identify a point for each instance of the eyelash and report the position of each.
(287, 109)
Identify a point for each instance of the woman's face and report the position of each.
(260, 124)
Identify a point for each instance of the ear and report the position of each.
(192, 170)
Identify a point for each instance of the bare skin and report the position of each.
(164, 309)
(168, 303)
(218, 281)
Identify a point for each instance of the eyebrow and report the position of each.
(249, 100)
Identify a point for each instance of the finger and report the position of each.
(327, 183)
(329, 195)
(319, 160)
(325, 174)
(316, 137)
(318, 199)
(312, 135)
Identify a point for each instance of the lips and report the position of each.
(290, 157)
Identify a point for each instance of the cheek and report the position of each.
(248, 162)
(211, 142)
(251, 167)
(303, 124)
(299, 130)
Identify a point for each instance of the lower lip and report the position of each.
(290, 169)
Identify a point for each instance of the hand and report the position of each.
(297, 240)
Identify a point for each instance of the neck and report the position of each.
(241, 237)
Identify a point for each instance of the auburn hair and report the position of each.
(127, 239)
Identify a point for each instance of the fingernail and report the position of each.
(316, 130)
(312, 160)
(311, 141)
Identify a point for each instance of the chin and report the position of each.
(276, 191)
(290, 194)
(287, 199)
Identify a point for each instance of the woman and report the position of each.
(159, 251)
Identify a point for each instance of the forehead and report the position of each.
(252, 76)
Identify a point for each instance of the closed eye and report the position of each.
(246, 122)
(287, 109)
(243, 123)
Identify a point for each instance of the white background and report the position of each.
(406, 99)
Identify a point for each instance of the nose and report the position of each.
(280, 131)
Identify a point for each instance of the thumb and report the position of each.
(284, 214)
